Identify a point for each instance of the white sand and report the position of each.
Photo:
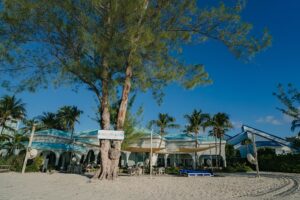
(39, 186)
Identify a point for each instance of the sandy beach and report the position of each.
(38, 186)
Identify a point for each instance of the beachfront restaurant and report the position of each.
(174, 150)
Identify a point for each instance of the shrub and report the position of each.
(36, 165)
(279, 163)
(16, 163)
(172, 170)
(238, 167)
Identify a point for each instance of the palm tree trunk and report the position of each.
(196, 146)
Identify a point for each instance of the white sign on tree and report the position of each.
(110, 135)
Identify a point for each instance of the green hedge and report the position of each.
(279, 163)
(16, 163)
(268, 161)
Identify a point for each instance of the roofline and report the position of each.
(236, 135)
(257, 131)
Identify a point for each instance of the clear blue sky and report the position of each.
(244, 91)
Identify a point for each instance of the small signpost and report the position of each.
(110, 135)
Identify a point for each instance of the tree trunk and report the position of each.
(162, 132)
(104, 171)
(116, 150)
(124, 100)
(196, 145)
(216, 149)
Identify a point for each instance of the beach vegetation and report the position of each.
(269, 161)
(197, 121)
(164, 121)
(15, 163)
(114, 48)
(290, 98)
(220, 124)
(10, 108)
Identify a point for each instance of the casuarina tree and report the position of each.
(115, 47)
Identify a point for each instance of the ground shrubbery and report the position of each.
(172, 170)
(238, 167)
(16, 163)
(269, 161)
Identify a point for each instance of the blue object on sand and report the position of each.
(189, 172)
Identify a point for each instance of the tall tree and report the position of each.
(213, 133)
(163, 122)
(196, 121)
(68, 116)
(10, 108)
(290, 98)
(49, 120)
(115, 47)
(220, 123)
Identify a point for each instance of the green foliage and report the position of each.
(230, 152)
(15, 141)
(89, 42)
(16, 163)
(10, 107)
(36, 165)
(68, 116)
(196, 121)
(238, 167)
(279, 163)
(268, 161)
(290, 98)
(64, 119)
(163, 122)
(172, 170)
(132, 120)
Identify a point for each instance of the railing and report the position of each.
(5, 168)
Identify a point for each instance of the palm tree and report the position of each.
(163, 122)
(16, 142)
(196, 121)
(10, 108)
(213, 133)
(68, 116)
(50, 120)
(220, 123)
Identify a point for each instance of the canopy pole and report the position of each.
(151, 154)
(255, 154)
(28, 149)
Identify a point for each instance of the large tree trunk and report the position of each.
(116, 151)
(104, 171)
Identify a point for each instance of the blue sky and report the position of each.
(244, 91)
